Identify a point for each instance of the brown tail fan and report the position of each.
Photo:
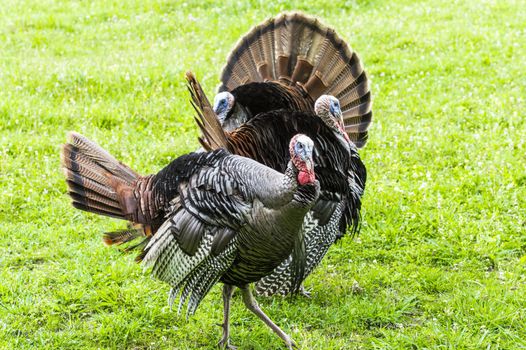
(298, 50)
(97, 182)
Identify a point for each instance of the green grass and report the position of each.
(441, 259)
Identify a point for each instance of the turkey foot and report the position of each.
(304, 292)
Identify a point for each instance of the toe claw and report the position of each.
(304, 292)
(226, 345)
(292, 345)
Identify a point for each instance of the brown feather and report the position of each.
(358, 124)
(77, 182)
(96, 205)
(209, 124)
(96, 181)
(83, 193)
(90, 209)
(122, 236)
(299, 51)
(92, 150)
(356, 91)
(348, 78)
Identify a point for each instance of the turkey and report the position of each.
(340, 171)
(227, 218)
(288, 62)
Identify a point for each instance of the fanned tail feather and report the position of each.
(299, 51)
(94, 176)
(122, 236)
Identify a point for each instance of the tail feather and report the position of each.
(101, 157)
(116, 212)
(350, 76)
(101, 203)
(357, 110)
(122, 236)
(79, 183)
(249, 67)
(354, 92)
(75, 161)
(262, 52)
(299, 51)
(305, 53)
(213, 135)
(283, 49)
(86, 207)
(94, 177)
(359, 123)
(76, 191)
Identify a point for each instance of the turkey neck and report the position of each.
(274, 229)
(291, 201)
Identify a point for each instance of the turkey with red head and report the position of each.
(341, 173)
(225, 217)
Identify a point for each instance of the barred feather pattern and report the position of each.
(99, 183)
(318, 239)
(302, 59)
(93, 176)
(190, 276)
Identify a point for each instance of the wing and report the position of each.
(190, 255)
(208, 187)
(197, 242)
(356, 177)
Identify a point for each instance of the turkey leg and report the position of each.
(228, 290)
(253, 306)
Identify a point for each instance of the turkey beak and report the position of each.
(307, 158)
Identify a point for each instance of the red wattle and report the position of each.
(305, 178)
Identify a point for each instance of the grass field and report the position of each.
(441, 258)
